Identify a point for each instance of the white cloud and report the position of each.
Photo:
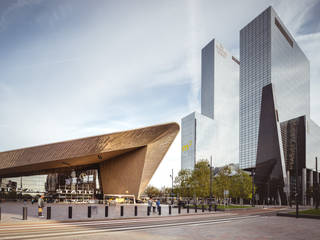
(85, 70)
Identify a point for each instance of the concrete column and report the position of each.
(311, 184)
(304, 186)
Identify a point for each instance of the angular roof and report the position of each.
(84, 151)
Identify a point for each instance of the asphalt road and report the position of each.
(202, 226)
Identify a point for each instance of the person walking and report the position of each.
(154, 206)
(150, 204)
(158, 205)
(40, 206)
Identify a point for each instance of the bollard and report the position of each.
(106, 211)
(136, 210)
(196, 208)
(210, 206)
(70, 212)
(24, 213)
(48, 212)
(215, 207)
(148, 211)
(159, 208)
(187, 208)
(202, 208)
(121, 211)
(89, 211)
(170, 210)
(179, 209)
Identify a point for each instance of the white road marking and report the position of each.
(98, 222)
(215, 221)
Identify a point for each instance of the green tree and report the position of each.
(152, 191)
(222, 182)
(200, 180)
(183, 183)
(241, 185)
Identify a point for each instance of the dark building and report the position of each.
(276, 131)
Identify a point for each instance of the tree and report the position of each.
(241, 185)
(222, 182)
(152, 191)
(200, 180)
(183, 183)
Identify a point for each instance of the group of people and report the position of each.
(154, 204)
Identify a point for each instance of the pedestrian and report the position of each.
(150, 203)
(158, 205)
(40, 206)
(154, 206)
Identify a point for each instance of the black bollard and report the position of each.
(48, 212)
(210, 206)
(106, 211)
(159, 208)
(70, 212)
(24, 213)
(136, 210)
(187, 208)
(170, 210)
(148, 211)
(202, 208)
(89, 211)
(215, 207)
(179, 209)
(121, 211)
(196, 208)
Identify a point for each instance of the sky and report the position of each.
(79, 68)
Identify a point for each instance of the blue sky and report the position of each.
(78, 68)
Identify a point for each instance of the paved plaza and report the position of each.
(250, 225)
(262, 228)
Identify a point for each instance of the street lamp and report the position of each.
(297, 178)
(171, 187)
(252, 173)
(210, 203)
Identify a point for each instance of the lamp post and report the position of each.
(171, 187)
(297, 180)
(252, 173)
(210, 181)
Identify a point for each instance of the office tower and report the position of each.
(274, 107)
(214, 132)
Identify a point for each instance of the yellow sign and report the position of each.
(187, 146)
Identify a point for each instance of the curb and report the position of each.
(300, 215)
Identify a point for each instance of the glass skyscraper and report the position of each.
(214, 132)
(275, 71)
(269, 54)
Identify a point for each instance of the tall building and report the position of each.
(275, 124)
(215, 131)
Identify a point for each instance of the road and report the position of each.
(235, 225)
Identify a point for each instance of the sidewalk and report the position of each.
(12, 212)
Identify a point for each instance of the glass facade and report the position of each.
(269, 54)
(214, 132)
(64, 186)
(196, 139)
(32, 184)
(312, 145)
